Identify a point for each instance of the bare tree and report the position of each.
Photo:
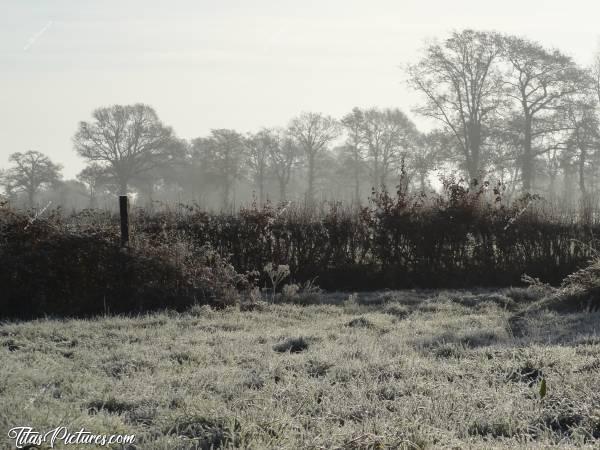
(259, 146)
(538, 81)
(282, 159)
(126, 140)
(222, 155)
(427, 153)
(505, 143)
(7, 183)
(596, 74)
(313, 132)
(31, 171)
(147, 182)
(94, 176)
(581, 118)
(461, 88)
(388, 134)
(354, 149)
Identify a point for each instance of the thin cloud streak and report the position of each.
(36, 36)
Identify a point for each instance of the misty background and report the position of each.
(231, 65)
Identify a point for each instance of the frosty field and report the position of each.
(405, 369)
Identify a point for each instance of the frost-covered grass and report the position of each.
(384, 370)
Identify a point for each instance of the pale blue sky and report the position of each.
(232, 63)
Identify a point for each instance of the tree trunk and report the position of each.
(282, 190)
(261, 188)
(586, 204)
(149, 191)
(356, 184)
(123, 186)
(552, 186)
(581, 167)
(474, 149)
(226, 189)
(382, 179)
(31, 197)
(567, 188)
(310, 193)
(422, 181)
(376, 174)
(92, 199)
(527, 162)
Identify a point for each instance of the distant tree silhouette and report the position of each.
(283, 158)
(388, 134)
(313, 132)
(354, 149)
(259, 146)
(30, 172)
(538, 81)
(222, 155)
(94, 176)
(126, 140)
(462, 89)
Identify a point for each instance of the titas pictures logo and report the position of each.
(27, 436)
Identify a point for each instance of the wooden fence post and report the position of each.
(124, 211)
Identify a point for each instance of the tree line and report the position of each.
(508, 109)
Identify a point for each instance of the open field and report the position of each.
(425, 369)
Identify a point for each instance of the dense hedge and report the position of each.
(464, 237)
(68, 267)
(72, 265)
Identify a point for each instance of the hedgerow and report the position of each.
(75, 266)
(466, 236)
